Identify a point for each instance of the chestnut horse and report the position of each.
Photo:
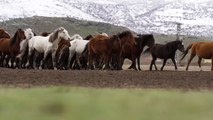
(102, 47)
(128, 50)
(4, 34)
(11, 47)
(202, 50)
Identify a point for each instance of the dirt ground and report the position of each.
(167, 79)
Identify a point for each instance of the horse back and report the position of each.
(203, 49)
(98, 44)
(4, 45)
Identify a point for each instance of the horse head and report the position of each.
(180, 45)
(64, 42)
(4, 34)
(18, 37)
(28, 33)
(58, 34)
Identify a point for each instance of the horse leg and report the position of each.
(36, 54)
(189, 61)
(164, 62)
(212, 64)
(138, 61)
(152, 62)
(7, 61)
(78, 61)
(2, 59)
(12, 57)
(134, 62)
(69, 59)
(30, 51)
(106, 61)
(44, 61)
(90, 58)
(174, 62)
(54, 59)
(199, 63)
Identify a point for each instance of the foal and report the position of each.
(166, 52)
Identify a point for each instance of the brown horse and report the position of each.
(202, 50)
(11, 47)
(4, 34)
(128, 44)
(102, 47)
(142, 41)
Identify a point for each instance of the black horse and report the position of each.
(142, 41)
(165, 52)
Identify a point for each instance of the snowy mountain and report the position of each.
(144, 16)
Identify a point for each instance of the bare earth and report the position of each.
(168, 79)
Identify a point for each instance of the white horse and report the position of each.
(24, 43)
(77, 47)
(47, 45)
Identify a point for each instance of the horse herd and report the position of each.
(59, 50)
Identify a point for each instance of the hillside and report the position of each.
(48, 24)
(144, 16)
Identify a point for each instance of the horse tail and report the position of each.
(186, 52)
(148, 50)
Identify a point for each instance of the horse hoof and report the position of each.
(55, 68)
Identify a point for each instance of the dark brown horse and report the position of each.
(128, 47)
(4, 34)
(142, 41)
(166, 52)
(11, 47)
(202, 50)
(102, 47)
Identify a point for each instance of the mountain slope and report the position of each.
(145, 16)
(48, 24)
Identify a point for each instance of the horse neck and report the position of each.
(55, 41)
(173, 46)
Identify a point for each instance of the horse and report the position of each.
(128, 50)
(103, 47)
(47, 45)
(142, 41)
(202, 50)
(23, 47)
(77, 47)
(11, 47)
(4, 34)
(166, 51)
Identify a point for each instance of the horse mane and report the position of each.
(54, 34)
(127, 37)
(13, 39)
(88, 37)
(124, 33)
(4, 34)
